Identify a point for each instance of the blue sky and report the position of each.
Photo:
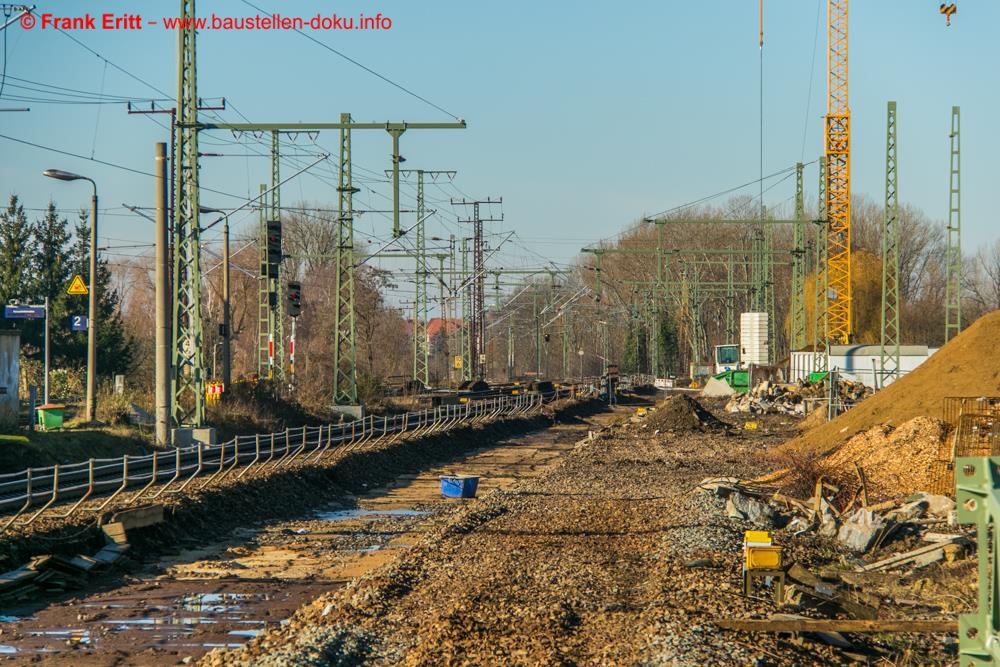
(582, 116)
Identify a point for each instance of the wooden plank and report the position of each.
(838, 625)
(900, 559)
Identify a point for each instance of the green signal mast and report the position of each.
(889, 343)
(188, 383)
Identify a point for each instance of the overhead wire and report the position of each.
(361, 65)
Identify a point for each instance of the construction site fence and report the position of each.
(36, 491)
(975, 431)
(954, 407)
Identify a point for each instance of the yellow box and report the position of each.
(756, 537)
(763, 558)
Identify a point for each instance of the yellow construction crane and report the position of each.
(837, 150)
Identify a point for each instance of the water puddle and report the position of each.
(347, 515)
(249, 634)
(152, 622)
(72, 636)
(219, 603)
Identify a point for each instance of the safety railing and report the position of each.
(27, 495)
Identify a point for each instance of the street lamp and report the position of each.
(91, 405)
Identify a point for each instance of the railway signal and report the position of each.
(294, 299)
(273, 247)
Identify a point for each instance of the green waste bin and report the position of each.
(50, 416)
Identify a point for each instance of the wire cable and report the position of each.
(362, 66)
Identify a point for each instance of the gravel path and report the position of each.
(608, 559)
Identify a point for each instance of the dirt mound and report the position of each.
(683, 413)
(965, 366)
(895, 461)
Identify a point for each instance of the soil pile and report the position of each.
(895, 461)
(683, 413)
(966, 366)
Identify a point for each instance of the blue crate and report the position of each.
(459, 486)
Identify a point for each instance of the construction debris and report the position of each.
(51, 574)
(779, 624)
(683, 413)
(796, 399)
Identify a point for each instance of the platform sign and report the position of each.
(77, 287)
(78, 322)
(24, 312)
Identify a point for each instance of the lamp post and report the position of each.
(227, 366)
(91, 405)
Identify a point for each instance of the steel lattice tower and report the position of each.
(345, 389)
(889, 344)
(797, 339)
(465, 331)
(421, 353)
(265, 314)
(821, 330)
(188, 379)
(277, 321)
(953, 256)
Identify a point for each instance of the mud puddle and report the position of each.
(224, 594)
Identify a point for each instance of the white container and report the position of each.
(754, 337)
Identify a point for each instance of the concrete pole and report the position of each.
(45, 399)
(226, 348)
(92, 315)
(162, 380)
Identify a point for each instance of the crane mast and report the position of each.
(838, 177)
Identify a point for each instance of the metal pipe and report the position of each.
(90, 490)
(197, 471)
(152, 478)
(27, 503)
(177, 474)
(256, 457)
(52, 499)
(120, 488)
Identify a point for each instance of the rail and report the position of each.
(198, 466)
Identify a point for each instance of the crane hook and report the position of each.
(948, 10)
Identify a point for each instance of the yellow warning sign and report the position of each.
(77, 287)
(458, 361)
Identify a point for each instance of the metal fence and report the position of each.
(975, 424)
(955, 406)
(33, 492)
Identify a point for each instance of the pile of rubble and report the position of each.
(860, 528)
(682, 413)
(885, 547)
(795, 399)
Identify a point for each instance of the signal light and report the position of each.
(273, 246)
(294, 299)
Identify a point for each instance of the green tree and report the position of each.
(667, 342)
(50, 259)
(635, 356)
(115, 350)
(49, 278)
(15, 254)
